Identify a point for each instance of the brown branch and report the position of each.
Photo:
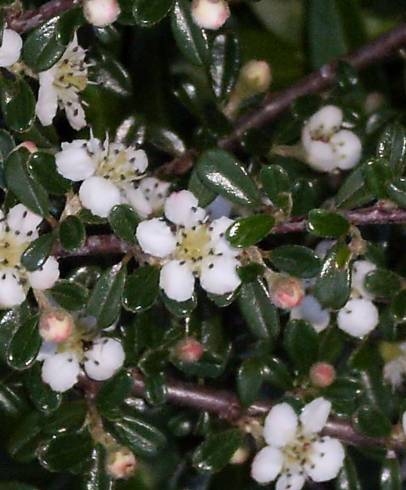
(96, 245)
(25, 21)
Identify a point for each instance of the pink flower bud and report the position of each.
(286, 292)
(322, 374)
(210, 14)
(121, 464)
(29, 145)
(189, 350)
(101, 13)
(56, 326)
(257, 76)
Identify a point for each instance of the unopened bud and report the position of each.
(322, 374)
(189, 350)
(101, 13)
(29, 145)
(373, 102)
(121, 464)
(286, 292)
(240, 456)
(56, 325)
(210, 14)
(256, 76)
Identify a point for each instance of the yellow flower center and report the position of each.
(299, 451)
(118, 168)
(10, 250)
(70, 77)
(193, 244)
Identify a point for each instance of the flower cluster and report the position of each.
(188, 246)
(295, 449)
(326, 144)
(17, 229)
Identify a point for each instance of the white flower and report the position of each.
(295, 450)
(101, 13)
(10, 48)
(61, 368)
(358, 317)
(394, 370)
(360, 269)
(17, 230)
(194, 247)
(326, 145)
(210, 14)
(311, 311)
(149, 197)
(404, 422)
(108, 171)
(61, 85)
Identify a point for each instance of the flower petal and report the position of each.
(182, 208)
(218, 241)
(326, 460)
(47, 103)
(280, 425)
(347, 147)
(74, 162)
(140, 161)
(61, 371)
(11, 291)
(99, 195)
(47, 349)
(137, 199)
(155, 191)
(104, 359)
(267, 465)
(404, 422)
(325, 122)
(358, 317)
(219, 275)
(177, 280)
(46, 276)
(319, 155)
(75, 114)
(314, 415)
(23, 222)
(294, 481)
(311, 310)
(360, 269)
(10, 48)
(156, 238)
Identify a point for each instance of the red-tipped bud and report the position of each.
(56, 325)
(286, 292)
(29, 145)
(210, 14)
(121, 464)
(322, 374)
(189, 350)
(101, 13)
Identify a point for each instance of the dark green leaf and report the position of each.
(113, 393)
(301, 343)
(141, 289)
(392, 147)
(72, 233)
(275, 181)
(42, 166)
(123, 221)
(69, 294)
(24, 345)
(224, 63)
(37, 252)
(69, 417)
(201, 191)
(382, 282)
(96, 477)
(248, 231)
(276, 373)
(148, 12)
(391, 478)
(296, 260)
(398, 307)
(347, 478)
(354, 191)
(397, 191)
(372, 422)
(378, 175)
(249, 380)
(327, 224)
(181, 309)
(17, 104)
(24, 440)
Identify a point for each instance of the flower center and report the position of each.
(72, 73)
(117, 167)
(193, 244)
(10, 250)
(297, 454)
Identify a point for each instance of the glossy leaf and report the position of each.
(113, 393)
(224, 63)
(396, 191)
(44, 398)
(72, 233)
(249, 231)
(392, 147)
(398, 307)
(37, 252)
(378, 175)
(296, 260)
(141, 289)
(327, 224)
(69, 417)
(69, 294)
(347, 478)
(43, 167)
(301, 343)
(249, 380)
(17, 104)
(24, 345)
(96, 477)
(149, 12)
(382, 282)
(123, 220)
(391, 478)
(372, 422)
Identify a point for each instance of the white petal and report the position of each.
(177, 280)
(320, 155)
(294, 481)
(404, 422)
(347, 147)
(280, 425)
(75, 114)
(99, 195)
(47, 103)
(23, 222)
(325, 122)
(219, 208)
(182, 208)
(11, 291)
(327, 458)
(323, 247)
(219, 275)
(10, 49)
(156, 238)
(104, 359)
(311, 311)
(46, 276)
(394, 371)
(141, 160)
(314, 415)
(48, 349)
(219, 242)
(74, 162)
(267, 465)
(155, 191)
(60, 371)
(358, 317)
(360, 269)
(137, 199)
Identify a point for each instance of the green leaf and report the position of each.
(191, 40)
(181, 309)
(248, 231)
(113, 393)
(275, 181)
(43, 46)
(72, 233)
(24, 345)
(354, 191)
(204, 195)
(224, 63)
(378, 175)
(347, 478)
(216, 451)
(398, 306)
(69, 417)
(276, 373)
(37, 252)
(105, 300)
(141, 289)
(327, 224)
(296, 260)
(222, 173)
(44, 398)
(23, 184)
(382, 282)
(24, 440)
(96, 477)
(123, 221)
(66, 452)
(17, 104)
(43, 167)
(333, 284)
(301, 343)
(69, 294)
(392, 147)
(249, 380)
(397, 191)
(149, 12)
(258, 311)
(142, 438)
(7, 144)
(372, 422)
(391, 478)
